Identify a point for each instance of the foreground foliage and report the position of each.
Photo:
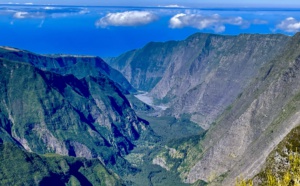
(283, 165)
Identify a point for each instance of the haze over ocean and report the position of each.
(110, 31)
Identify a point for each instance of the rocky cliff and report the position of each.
(144, 68)
(202, 75)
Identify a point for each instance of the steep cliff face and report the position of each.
(239, 142)
(144, 68)
(79, 66)
(48, 113)
(202, 75)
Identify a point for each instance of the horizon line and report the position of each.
(203, 6)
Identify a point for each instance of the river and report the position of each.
(146, 98)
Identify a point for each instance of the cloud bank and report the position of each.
(214, 22)
(21, 15)
(42, 12)
(24, 15)
(128, 18)
(290, 24)
(171, 6)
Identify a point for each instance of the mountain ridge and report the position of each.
(80, 66)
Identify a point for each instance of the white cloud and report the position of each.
(20, 15)
(128, 18)
(214, 22)
(290, 24)
(84, 11)
(11, 3)
(49, 8)
(43, 12)
(23, 15)
(171, 6)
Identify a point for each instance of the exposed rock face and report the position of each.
(51, 142)
(81, 150)
(144, 68)
(161, 162)
(201, 75)
(266, 112)
(79, 66)
(49, 113)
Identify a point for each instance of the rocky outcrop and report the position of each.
(202, 75)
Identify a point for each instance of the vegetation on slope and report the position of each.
(48, 113)
(171, 132)
(19, 167)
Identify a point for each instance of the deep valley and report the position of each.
(208, 110)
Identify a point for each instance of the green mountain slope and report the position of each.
(49, 113)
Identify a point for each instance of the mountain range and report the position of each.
(232, 107)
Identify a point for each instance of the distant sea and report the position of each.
(73, 30)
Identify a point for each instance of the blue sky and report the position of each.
(110, 31)
(188, 3)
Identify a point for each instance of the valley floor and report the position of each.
(169, 130)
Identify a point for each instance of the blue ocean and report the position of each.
(110, 31)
